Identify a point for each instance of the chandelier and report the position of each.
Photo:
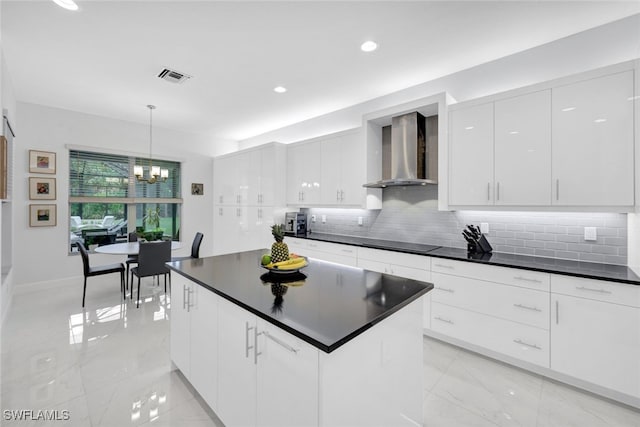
(155, 173)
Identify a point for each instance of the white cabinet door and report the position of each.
(523, 150)
(331, 158)
(269, 166)
(592, 148)
(471, 156)
(226, 226)
(304, 174)
(180, 353)
(597, 342)
(225, 178)
(203, 309)
(287, 375)
(352, 169)
(236, 365)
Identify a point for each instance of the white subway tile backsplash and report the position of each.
(406, 217)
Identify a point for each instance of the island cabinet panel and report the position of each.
(287, 379)
(376, 379)
(194, 329)
(594, 339)
(236, 365)
(260, 367)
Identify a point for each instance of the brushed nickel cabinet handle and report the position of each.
(601, 291)
(488, 191)
(256, 353)
(518, 341)
(498, 191)
(557, 189)
(280, 342)
(445, 266)
(527, 279)
(184, 297)
(247, 347)
(557, 312)
(445, 289)
(527, 307)
(444, 320)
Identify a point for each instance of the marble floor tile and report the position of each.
(109, 365)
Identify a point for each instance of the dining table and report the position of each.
(128, 248)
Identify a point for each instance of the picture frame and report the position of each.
(197, 189)
(42, 188)
(42, 162)
(42, 216)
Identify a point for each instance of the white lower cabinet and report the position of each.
(503, 310)
(262, 368)
(400, 264)
(593, 339)
(326, 251)
(194, 329)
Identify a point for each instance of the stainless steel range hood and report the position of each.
(410, 155)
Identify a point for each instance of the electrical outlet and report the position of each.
(324, 219)
(484, 227)
(359, 220)
(313, 218)
(590, 234)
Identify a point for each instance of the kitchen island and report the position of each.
(329, 346)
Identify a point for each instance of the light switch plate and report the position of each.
(324, 219)
(359, 220)
(590, 234)
(313, 218)
(484, 227)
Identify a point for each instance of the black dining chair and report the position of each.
(98, 271)
(195, 248)
(131, 259)
(152, 257)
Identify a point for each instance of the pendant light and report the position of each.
(155, 173)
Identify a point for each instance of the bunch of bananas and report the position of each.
(290, 264)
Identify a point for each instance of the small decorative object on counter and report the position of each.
(477, 243)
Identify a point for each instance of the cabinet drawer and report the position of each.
(502, 336)
(333, 257)
(396, 258)
(512, 303)
(599, 290)
(508, 276)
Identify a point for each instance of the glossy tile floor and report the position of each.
(109, 365)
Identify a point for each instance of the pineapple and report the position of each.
(279, 250)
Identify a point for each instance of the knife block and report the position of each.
(481, 245)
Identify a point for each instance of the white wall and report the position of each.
(41, 253)
(605, 45)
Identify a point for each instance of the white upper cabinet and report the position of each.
(343, 170)
(471, 155)
(304, 173)
(593, 142)
(225, 180)
(566, 143)
(522, 146)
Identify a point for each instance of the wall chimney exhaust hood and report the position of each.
(410, 153)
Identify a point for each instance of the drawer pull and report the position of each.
(348, 251)
(445, 266)
(280, 342)
(444, 320)
(526, 279)
(527, 344)
(445, 289)
(527, 307)
(247, 347)
(602, 291)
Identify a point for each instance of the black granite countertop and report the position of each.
(590, 270)
(325, 305)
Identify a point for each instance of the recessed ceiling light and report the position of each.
(280, 89)
(67, 4)
(368, 46)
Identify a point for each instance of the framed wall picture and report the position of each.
(42, 215)
(42, 161)
(197, 189)
(42, 188)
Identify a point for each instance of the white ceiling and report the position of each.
(104, 58)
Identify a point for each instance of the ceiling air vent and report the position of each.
(173, 76)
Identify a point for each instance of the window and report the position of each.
(106, 201)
